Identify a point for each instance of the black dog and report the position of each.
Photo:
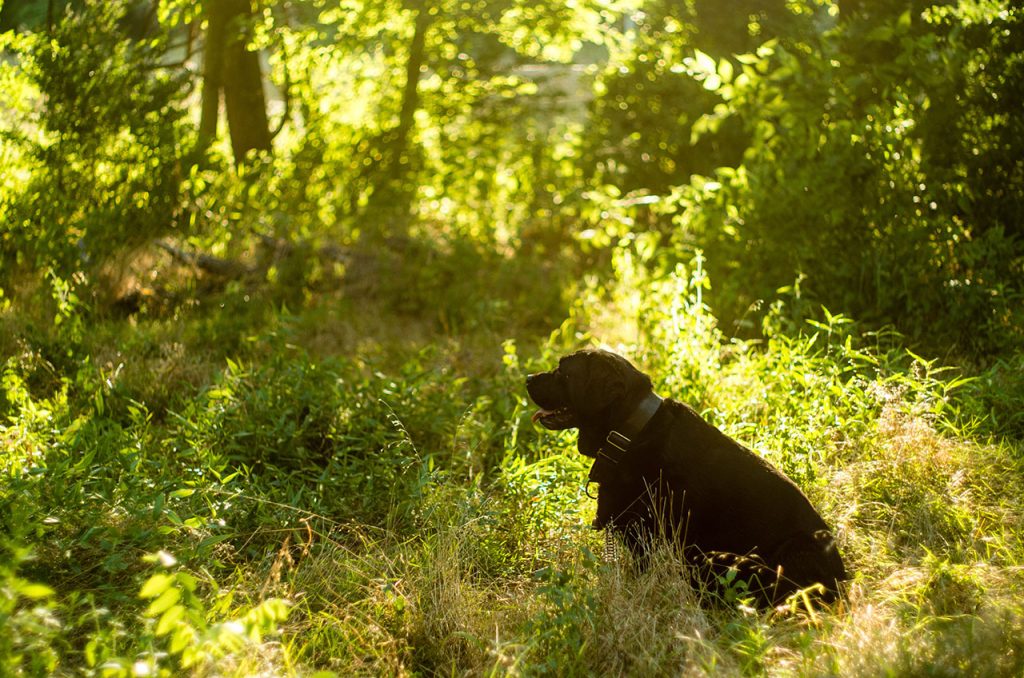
(665, 472)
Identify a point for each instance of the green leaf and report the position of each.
(168, 598)
(725, 70)
(155, 586)
(768, 48)
(703, 62)
(169, 620)
(277, 609)
(35, 591)
(187, 581)
(182, 636)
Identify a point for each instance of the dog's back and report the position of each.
(724, 499)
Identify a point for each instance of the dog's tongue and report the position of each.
(540, 413)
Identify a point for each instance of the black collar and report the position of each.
(619, 440)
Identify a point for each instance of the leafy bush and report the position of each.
(844, 180)
(192, 642)
(30, 627)
(99, 163)
(848, 179)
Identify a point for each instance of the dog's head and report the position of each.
(591, 390)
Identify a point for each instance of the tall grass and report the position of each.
(417, 523)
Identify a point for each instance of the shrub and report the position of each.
(98, 167)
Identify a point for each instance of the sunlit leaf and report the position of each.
(704, 63)
(169, 620)
(35, 591)
(166, 599)
(155, 585)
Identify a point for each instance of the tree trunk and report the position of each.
(243, 86)
(410, 94)
(229, 66)
(392, 196)
(213, 72)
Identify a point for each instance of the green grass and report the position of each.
(168, 480)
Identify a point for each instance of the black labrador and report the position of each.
(662, 471)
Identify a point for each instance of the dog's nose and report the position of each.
(531, 377)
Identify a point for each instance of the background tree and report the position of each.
(232, 67)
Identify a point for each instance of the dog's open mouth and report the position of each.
(555, 420)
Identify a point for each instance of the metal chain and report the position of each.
(611, 552)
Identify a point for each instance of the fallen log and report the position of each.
(227, 268)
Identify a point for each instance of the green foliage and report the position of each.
(996, 395)
(397, 505)
(648, 104)
(780, 139)
(181, 618)
(30, 629)
(318, 436)
(744, 197)
(849, 178)
(97, 137)
(559, 631)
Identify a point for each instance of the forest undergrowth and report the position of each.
(315, 492)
